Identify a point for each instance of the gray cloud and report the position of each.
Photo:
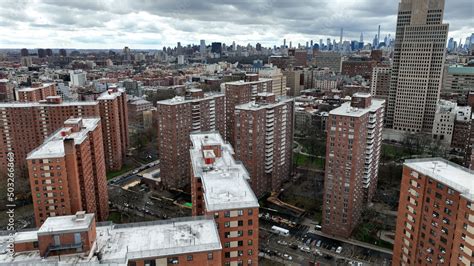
(147, 23)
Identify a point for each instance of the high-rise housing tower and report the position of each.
(435, 220)
(417, 65)
(263, 140)
(177, 118)
(67, 172)
(353, 151)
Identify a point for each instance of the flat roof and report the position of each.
(37, 104)
(242, 82)
(257, 106)
(181, 99)
(157, 238)
(347, 110)
(461, 70)
(26, 236)
(66, 224)
(455, 176)
(108, 95)
(225, 183)
(26, 89)
(53, 146)
(119, 243)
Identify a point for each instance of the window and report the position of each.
(250, 232)
(227, 214)
(250, 222)
(189, 258)
(226, 224)
(250, 212)
(250, 242)
(216, 215)
(250, 252)
(210, 256)
(240, 212)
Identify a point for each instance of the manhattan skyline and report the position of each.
(149, 25)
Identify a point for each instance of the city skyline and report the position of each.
(147, 25)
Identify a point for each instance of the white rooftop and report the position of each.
(120, 243)
(347, 110)
(37, 104)
(455, 176)
(66, 224)
(257, 106)
(181, 99)
(53, 146)
(26, 89)
(225, 181)
(109, 95)
(463, 113)
(242, 82)
(158, 238)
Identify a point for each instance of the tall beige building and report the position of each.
(417, 65)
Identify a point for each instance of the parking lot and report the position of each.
(303, 247)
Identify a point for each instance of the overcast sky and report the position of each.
(157, 23)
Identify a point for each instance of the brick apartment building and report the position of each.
(24, 126)
(67, 172)
(361, 67)
(78, 239)
(240, 92)
(220, 189)
(114, 117)
(264, 141)
(435, 224)
(353, 152)
(380, 82)
(177, 118)
(7, 91)
(36, 93)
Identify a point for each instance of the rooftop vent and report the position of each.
(80, 215)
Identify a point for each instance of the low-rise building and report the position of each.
(77, 239)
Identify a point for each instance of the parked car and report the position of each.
(339, 250)
(288, 257)
(319, 243)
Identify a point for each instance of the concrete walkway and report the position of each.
(312, 223)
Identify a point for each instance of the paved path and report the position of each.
(311, 225)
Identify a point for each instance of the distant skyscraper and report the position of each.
(378, 37)
(216, 47)
(361, 37)
(284, 43)
(417, 65)
(202, 48)
(62, 52)
(340, 40)
(41, 53)
(24, 52)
